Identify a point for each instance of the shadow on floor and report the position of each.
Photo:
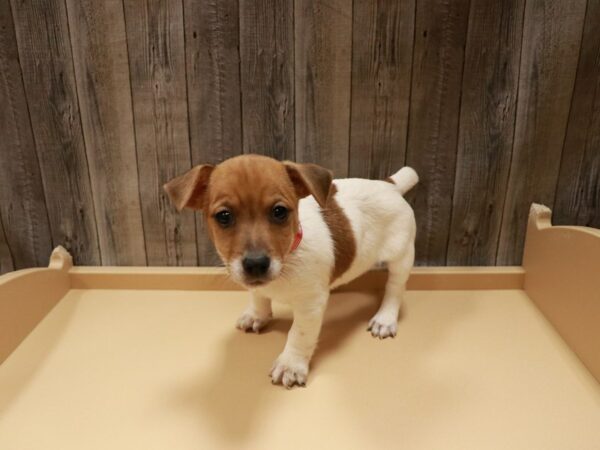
(233, 395)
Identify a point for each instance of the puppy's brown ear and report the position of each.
(189, 189)
(310, 179)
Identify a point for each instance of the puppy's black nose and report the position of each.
(256, 264)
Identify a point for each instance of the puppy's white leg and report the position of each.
(257, 315)
(385, 322)
(291, 367)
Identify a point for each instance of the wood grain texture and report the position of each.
(22, 204)
(267, 77)
(323, 39)
(6, 262)
(212, 54)
(578, 189)
(440, 36)
(214, 96)
(495, 104)
(486, 130)
(45, 53)
(382, 50)
(155, 39)
(551, 38)
(102, 73)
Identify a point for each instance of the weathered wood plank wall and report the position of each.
(23, 209)
(104, 89)
(323, 44)
(496, 104)
(577, 197)
(6, 262)
(438, 61)
(382, 51)
(214, 96)
(155, 42)
(267, 66)
(486, 130)
(549, 54)
(56, 124)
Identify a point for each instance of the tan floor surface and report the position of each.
(167, 370)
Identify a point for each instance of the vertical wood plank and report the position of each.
(213, 60)
(323, 41)
(382, 50)
(440, 36)
(486, 130)
(22, 205)
(214, 97)
(45, 54)
(267, 75)
(551, 40)
(6, 262)
(578, 190)
(155, 39)
(102, 73)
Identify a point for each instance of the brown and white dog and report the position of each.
(290, 233)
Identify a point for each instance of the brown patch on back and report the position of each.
(344, 244)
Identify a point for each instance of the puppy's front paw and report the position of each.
(383, 325)
(289, 370)
(252, 321)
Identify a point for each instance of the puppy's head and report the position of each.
(250, 204)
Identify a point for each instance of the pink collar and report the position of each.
(297, 239)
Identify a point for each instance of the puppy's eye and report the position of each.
(279, 213)
(224, 218)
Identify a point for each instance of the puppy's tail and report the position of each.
(404, 179)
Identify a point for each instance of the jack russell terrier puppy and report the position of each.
(290, 233)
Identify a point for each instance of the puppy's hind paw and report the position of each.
(383, 327)
(250, 321)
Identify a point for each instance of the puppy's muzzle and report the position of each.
(256, 265)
